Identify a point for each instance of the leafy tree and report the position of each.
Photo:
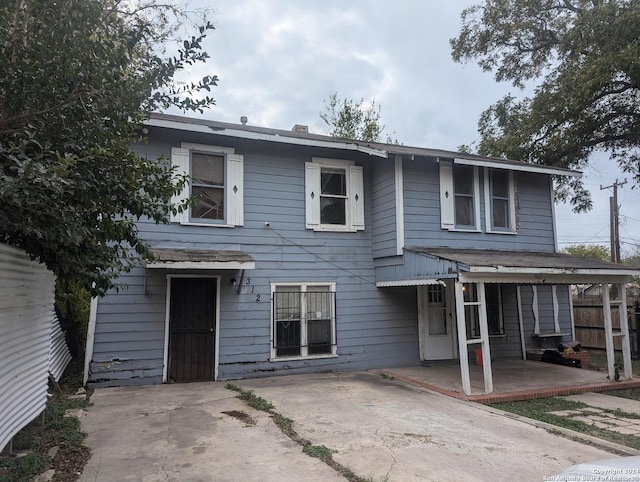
(353, 120)
(586, 56)
(78, 79)
(591, 251)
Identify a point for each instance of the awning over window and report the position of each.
(423, 265)
(169, 258)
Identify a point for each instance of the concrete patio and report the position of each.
(512, 380)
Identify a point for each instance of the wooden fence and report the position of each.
(589, 323)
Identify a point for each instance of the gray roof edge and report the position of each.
(392, 150)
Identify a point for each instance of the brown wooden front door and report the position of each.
(192, 323)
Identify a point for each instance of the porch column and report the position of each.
(608, 330)
(462, 338)
(463, 343)
(521, 323)
(484, 336)
(624, 332)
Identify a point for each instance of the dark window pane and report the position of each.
(494, 308)
(207, 169)
(319, 336)
(463, 179)
(500, 213)
(333, 210)
(288, 338)
(210, 204)
(333, 181)
(500, 183)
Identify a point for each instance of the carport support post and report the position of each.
(484, 334)
(608, 330)
(624, 328)
(462, 339)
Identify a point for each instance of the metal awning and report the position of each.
(423, 265)
(171, 258)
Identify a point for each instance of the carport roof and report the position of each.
(172, 258)
(422, 265)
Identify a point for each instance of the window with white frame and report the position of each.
(303, 319)
(334, 195)
(459, 197)
(500, 198)
(216, 178)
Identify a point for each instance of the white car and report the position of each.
(619, 469)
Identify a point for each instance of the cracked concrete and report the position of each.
(380, 429)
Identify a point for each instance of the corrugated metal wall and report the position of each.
(26, 314)
(59, 355)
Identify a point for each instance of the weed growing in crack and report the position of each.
(251, 398)
(317, 451)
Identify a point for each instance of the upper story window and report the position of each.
(500, 200)
(334, 195)
(216, 182)
(459, 197)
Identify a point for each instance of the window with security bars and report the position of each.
(303, 320)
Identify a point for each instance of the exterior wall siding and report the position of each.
(375, 328)
(422, 213)
(383, 209)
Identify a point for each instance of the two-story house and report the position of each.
(307, 253)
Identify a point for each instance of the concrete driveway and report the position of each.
(380, 429)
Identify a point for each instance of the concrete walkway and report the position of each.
(381, 429)
(596, 415)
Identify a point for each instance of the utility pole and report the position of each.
(614, 223)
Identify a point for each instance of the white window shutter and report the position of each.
(312, 194)
(447, 201)
(234, 190)
(180, 159)
(356, 197)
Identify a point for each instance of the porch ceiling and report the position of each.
(171, 258)
(420, 264)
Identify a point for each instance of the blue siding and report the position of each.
(383, 209)
(375, 328)
(422, 213)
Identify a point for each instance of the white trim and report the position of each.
(560, 271)
(556, 308)
(462, 339)
(517, 167)
(408, 282)
(484, 336)
(535, 309)
(207, 148)
(91, 333)
(608, 331)
(488, 203)
(216, 342)
(191, 127)
(200, 265)
(537, 278)
(399, 186)
(571, 314)
(553, 216)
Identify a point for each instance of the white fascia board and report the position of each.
(553, 271)
(517, 167)
(539, 278)
(409, 282)
(200, 265)
(257, 136)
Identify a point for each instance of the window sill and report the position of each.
(308, 357)
(335, 229)
(501, 232)
(465, 230)
(207, 225)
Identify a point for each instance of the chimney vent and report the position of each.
(244, 120)
(300, 128)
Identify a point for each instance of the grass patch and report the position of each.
(37, 438)
(631, 393)
(251, 398)
(599, 362)
(540, 409)
(317, 451)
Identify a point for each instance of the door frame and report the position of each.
(422, 320)
(216, 343)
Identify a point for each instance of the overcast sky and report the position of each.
(279, 60)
